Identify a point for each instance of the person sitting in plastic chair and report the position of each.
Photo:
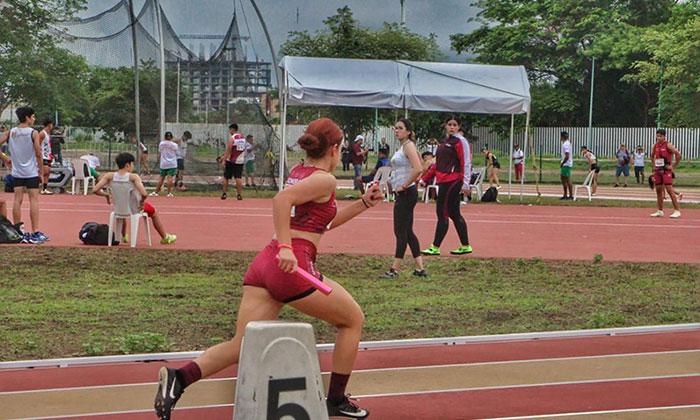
(125, 163)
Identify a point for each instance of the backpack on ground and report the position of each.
(9, 233)
(490, 195)
(9, 184)
(96, 234)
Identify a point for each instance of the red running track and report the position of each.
(503, 231)
(492, 402)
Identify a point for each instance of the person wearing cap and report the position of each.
(567, 161)
(592, 166)
(662, 158)
(639, 156)
(518, 156)
(168, 150)
(358, 157)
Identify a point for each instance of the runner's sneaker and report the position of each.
(42, 236)
(420, 273)
(239, 197)
(464, 249)
(658, 213)
(168, 239)
(26, 238)
(35, 239)
(223, 196)
(346, 409)
(169, 391)
(153, 194)
(125, 239)
(433, 250)
(676, 214)
(170, 195)
(389, 274)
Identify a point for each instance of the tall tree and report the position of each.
(556, 41)
(28, 54)
(344, 38)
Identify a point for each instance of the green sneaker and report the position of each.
(433, 250)
(168, 239)
(464, 249)
(125, 239)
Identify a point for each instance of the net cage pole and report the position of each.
(137, 104)
(510, 152)
(159, 20)
(527, 134)
(283, 121)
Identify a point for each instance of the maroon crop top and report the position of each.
(311, 216)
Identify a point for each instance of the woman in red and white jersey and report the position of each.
(269, 285)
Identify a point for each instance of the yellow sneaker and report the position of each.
(168, 239)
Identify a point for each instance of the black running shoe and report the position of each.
(239, 197)
(389, 274)
(169, 391)
(346, 409)
(420, 273)
(223, 196)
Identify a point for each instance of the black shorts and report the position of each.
(233, 170)
(497, 165)
(181, 164)
(47, 162)
(28, 183)
(595, 167)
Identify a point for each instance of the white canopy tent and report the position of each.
(420, 86)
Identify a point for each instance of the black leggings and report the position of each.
(403, 222)
(447, 207)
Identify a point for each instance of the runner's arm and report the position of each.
(37, 153)
(369, 199)
(676, 153)
(4, 136)
(227, 153)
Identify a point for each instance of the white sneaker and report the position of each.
(170, 195)
(676, 214)
(153, 194)
(658, 213)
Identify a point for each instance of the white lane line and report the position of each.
(406, 368)
(536, 385)
(592, 413)
(471, 220)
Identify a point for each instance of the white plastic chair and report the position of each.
(81, 171)
(478, 184)
(426, 190)
(383, 175)
(125, 207)
(586, 184)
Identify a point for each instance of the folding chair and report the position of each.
(125, 207)
(426, 190)
(586, 184)
(477, 185)
(383, 175)
(81, 170)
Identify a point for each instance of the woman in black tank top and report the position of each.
(492, 162)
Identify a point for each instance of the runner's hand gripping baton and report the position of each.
(313, 281)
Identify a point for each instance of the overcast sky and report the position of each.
(442, 17)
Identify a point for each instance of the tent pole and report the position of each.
(526, 141)
(283, 121)
(510, 165)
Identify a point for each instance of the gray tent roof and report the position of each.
(423, 86)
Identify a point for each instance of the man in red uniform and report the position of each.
(662, 159)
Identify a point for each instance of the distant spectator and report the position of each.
(249, 161)
(639, 156)
(592, 166)
(492, 162)
(47, 158)
(567, 161)
(382, 160)
(144, 156)
(57, 139)
(125, 163)
(168, 150)
(346, 152)
(518, 156)
(384, 147)
(358, 157)
(623, 164)
(181, 155)
(93, 163)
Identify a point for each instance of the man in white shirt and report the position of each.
(94, 163)
(518, 161)
(181, 155)
(639, 156)
(232, 161)
(168, 150)
(249, 162)
(567, 161)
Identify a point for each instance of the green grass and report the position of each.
(100, 301)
